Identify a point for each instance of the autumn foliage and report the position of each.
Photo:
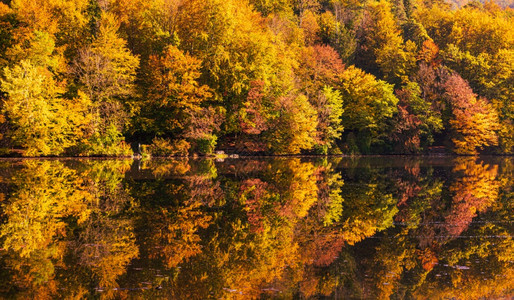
(88, 78)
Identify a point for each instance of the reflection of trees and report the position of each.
(258, 247)
(438, 251)
(105, 242)
(476, 268)
(45, 193)
(176, 233)
(251, 245)
(368, 210)
(474, 190)
(51, 202)
(257, 228)
(252, 230)
(369, 206)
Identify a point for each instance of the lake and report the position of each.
(273, 228)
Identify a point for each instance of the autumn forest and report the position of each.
(182, 77)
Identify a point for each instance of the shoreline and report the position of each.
(6, 158)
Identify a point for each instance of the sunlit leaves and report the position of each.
(173, 94)
(475, 120)
(416, 121)
(367, 102)
(329, 105)
(382, 50)
(44, 123)
(295, 129)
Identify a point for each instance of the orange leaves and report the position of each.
(311, 29)
(178, 233)
(174, 95)
(475, 190)
(428, 52)
(319, 66)
(255, 114)
(173, 80)
(474, 121)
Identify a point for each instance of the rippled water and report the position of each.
(341, 228)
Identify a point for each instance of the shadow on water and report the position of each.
(338, 228)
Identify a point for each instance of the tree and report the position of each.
(474, 121)
(329, 105)
(257, 112)
(479, 31)
(382, 50)
(338, 36)
(491, 76)
(43, 122)
(295, 128)
(233, 43)
(173, 94)
(64, 19)
(416, 121)
(311, 29)
(368, 103)
(106, 71)
(319, 66)
(266, 7)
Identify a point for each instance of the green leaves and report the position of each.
(368, 102)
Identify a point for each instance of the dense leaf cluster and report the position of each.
(251, 76)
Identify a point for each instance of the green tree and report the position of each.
(329, 105)
(368, 103)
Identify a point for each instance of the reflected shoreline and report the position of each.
(288, 227)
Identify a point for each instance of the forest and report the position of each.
(183, 77)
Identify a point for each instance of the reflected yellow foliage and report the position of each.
(46, 196)
(369, 211)
(163, 168)
(176, 238)
(47, 192)
(444, 253)
(253, 229)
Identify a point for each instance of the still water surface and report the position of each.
(336, 228)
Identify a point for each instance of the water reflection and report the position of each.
(271, 228)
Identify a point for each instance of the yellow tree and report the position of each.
(367, 103)
(174, 97)
(43, 122)
(295, 129)
(106, 71)
(382, 45)
(43, 195)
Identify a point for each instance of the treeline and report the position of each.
(275, 77)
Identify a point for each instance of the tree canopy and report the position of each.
(274, 77)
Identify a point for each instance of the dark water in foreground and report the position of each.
(372, 228)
